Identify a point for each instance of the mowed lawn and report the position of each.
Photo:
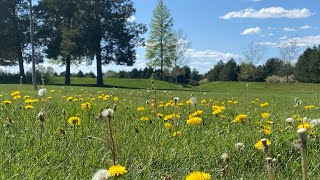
(155, 136)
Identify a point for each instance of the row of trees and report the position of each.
(70, 32)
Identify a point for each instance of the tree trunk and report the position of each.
(67, 76)
(99, 68)
(21, 68)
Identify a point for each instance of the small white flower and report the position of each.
(289, 120)
(107, 112)
(101, 174)
(42, 91)
(225, 157)
(305, 119)
(239, 146)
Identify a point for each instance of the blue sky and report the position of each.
(222, 29)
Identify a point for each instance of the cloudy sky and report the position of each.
(222, 29)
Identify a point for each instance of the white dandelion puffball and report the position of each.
(193, 100)
(42, 91)
(239, 146)
(289, 120)
(107, 112)
(101, 174)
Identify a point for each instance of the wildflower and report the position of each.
(26, 97)
(241, 118)
(265, 115)
(69, 98)
(159, 115)
(167, 125)
(15, 93)
(41, 116)
(140, 109)
(264, 104)
(266, 130)
(215, 112)
(107, 112)
(259, 144)
(309, 107)
(6, 102)
(177, 133)
(116, 98)
(194, 121)
(239, 146)
(203, 101)
(198, 175)
(144, 118)
(86, 106)
(106, 97)
(28, 107)
(17, 97)
(304, 125)
(42, 91)
(168, 117)
(74, 121)
(116, 170)
(314, 122)
(101, 174)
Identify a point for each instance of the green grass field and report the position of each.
(147, 148)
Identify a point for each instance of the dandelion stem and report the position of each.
(112, 142)
(270, 170)
(303, 147)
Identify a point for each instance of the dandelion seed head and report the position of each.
(239, 146)
(107, 112)
(101, 174)
(225, 157)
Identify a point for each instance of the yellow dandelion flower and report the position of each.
(168, 117)
(6, 102)
(265, 115)
(264, 104)
(188, 102)
(144, 118)
(116, 98)
(241, 118)
(167, 125)
(176, 133)
(259, 144)
(26, 97)
(198, 175)
(217, 111)
(15, 93)
(69, 98)
(194, 121)
(106, 97)
(140, 108)
(17, 97)
(203, 101)
(49, 97)
(52, 90)
(304, 125)
(86, 106)
(74, 121)
(116, 170)
(266, 130)
(235, 102)
(28, 107)
(92, 99)
(159, 115)
(309, 107)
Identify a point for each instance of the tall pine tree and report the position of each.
(161, 43)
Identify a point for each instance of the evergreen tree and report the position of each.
(213, 74)
(229, 71)
(161, 43)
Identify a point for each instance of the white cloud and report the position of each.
(272, 12)
(270, 34)
(249, 31)
(283, 37)
(305, 27)
(306, 40)
(267, 43)
(288, 29)
(301, 41)
(131, 19)
(203, 61)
